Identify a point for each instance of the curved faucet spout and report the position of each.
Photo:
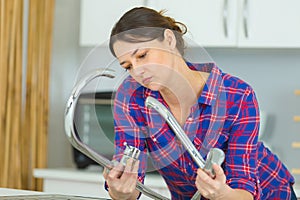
(73, 135)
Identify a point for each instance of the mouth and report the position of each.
(147, 80)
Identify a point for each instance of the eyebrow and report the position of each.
(133, 53)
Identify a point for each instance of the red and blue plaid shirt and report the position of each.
(226, 116)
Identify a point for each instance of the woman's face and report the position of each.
(149, 63)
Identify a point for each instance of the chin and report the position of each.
(153, 86)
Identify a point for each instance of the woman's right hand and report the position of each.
(121, 180)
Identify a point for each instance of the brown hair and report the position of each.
(143, 24)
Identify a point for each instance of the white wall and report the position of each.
(274, 74)
(65, 63)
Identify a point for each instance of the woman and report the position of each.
(150, 46)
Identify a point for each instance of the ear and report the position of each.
(170, 38)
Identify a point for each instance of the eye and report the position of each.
(127, 67)
(142, 55)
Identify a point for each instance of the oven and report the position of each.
(94, 123)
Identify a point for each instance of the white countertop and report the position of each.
(10, 194)
(14, 192)
(88, 182)
(93, 174)
(90, 175)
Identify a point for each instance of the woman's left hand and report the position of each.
(212, 187)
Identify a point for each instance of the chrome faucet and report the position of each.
(75, 140)
(215, 155)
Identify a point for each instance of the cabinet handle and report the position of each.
(245, 19)
(225, 18)
(296, 171)
(296, 145)
(297, 92)
(297, 118)
(145, 2)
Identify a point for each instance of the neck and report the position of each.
(182, 89)
(185, 86)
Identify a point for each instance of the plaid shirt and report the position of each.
(226, 116)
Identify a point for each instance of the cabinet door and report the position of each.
(269, 23)
(97, 18)
(210, 23)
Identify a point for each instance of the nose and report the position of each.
(138, 70)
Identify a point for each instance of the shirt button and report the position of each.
(154, 139)
(190, 164)
(190, 119)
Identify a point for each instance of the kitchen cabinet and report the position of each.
(98, 17)
(238, 23)
(211, 23)
(269, 23)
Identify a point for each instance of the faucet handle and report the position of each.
(214, 155)
(130, 152)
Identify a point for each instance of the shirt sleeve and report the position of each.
(129, 132)
(241, 156)
(129, 129)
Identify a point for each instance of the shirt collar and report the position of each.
(211, 88)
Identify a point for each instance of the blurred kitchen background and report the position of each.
(258, 41)
(268, 64)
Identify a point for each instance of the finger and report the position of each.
(116, 172)
(130, 175)
(209, 173)
(201, 187)
(105, 172)
(219, 172)
(129, 165)
(136, 166)
(203, 191)
(204, 177)
(131, 168)
(205, 184)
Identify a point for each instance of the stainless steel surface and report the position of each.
(75, 139)
(214, 156)
(167, 115)
(245, 18)
(225, 18)
(130, 152)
